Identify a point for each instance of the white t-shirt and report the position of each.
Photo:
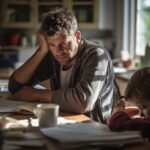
(65, 77)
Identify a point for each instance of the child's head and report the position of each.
(138, 90)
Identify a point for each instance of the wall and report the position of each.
(103, 37)
(107, 14)
(118, 27)
(111, 18)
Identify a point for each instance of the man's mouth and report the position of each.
(62, 58)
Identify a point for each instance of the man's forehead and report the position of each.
(64, 33)
(58, 38)
(60, 35)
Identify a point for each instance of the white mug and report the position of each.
(47, 114)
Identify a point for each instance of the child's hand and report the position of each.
(133, 111)
(120, 106)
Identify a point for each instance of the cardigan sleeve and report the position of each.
(120, 121)
(13, 85)
(42, 73)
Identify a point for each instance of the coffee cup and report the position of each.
(47, 114)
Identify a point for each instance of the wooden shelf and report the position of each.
(16, 18)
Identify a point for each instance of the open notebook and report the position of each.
(8, 106)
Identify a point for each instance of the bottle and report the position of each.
(33, 40)
(145, 60)
(24, 42)
(125, 58)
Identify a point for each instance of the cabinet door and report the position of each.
(29, 13)
(17, 13)
(86, 12)
(45, 5)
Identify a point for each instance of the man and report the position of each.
(81, 73)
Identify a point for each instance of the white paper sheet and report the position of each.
(86, 132)
(34, 122)
(7, 106)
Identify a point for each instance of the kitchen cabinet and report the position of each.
(86, 12)
(20, 21)
(18, 13)
(28, 13)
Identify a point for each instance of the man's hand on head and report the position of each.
(43, 46)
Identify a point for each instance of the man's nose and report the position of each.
(60, 49)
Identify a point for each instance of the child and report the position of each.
(138, 93)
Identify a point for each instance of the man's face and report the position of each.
(64, 47)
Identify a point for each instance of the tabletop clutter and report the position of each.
(35, 125)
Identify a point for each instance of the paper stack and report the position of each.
(85, 135)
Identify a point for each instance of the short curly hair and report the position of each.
(58, 20)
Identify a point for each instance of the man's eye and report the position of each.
(64, 44)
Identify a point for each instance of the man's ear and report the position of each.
(78, 36)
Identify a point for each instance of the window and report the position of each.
(142, 26)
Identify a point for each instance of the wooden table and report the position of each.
(48, 144)
(68, 116)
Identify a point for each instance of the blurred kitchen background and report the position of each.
(122, 26)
